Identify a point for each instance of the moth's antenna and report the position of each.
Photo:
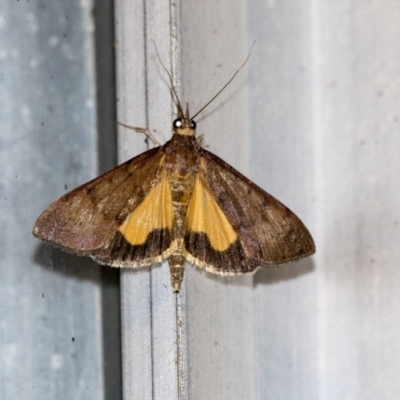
(226, 84)
(180, 109)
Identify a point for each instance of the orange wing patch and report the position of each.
(154, 212)
(205, 216)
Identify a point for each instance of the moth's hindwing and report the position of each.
(98, 218)
(234, 226)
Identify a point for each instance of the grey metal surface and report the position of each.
(51, 315)
(316, 125)
(283, 149)
(357, 141)
(325, 98)
(313, 119)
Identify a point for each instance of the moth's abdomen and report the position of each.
(181, 191)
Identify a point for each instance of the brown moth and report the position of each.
(176, 202)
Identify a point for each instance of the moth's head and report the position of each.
(184, 125)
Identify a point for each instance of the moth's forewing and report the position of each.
(87, 219)
(145, 236)
(211, 240)
(267, 232)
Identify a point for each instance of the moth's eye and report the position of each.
(177, 123)
(193, 124)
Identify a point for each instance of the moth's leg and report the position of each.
(200, 140)
(146, 131)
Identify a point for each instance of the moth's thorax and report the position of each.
(182, 156)
(182, 163)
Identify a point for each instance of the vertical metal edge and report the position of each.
(181, 344)
(104, 32)
(180, 298)
(149, 316)
(159, 29)
(136, 324)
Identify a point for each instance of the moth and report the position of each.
(176, 202)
